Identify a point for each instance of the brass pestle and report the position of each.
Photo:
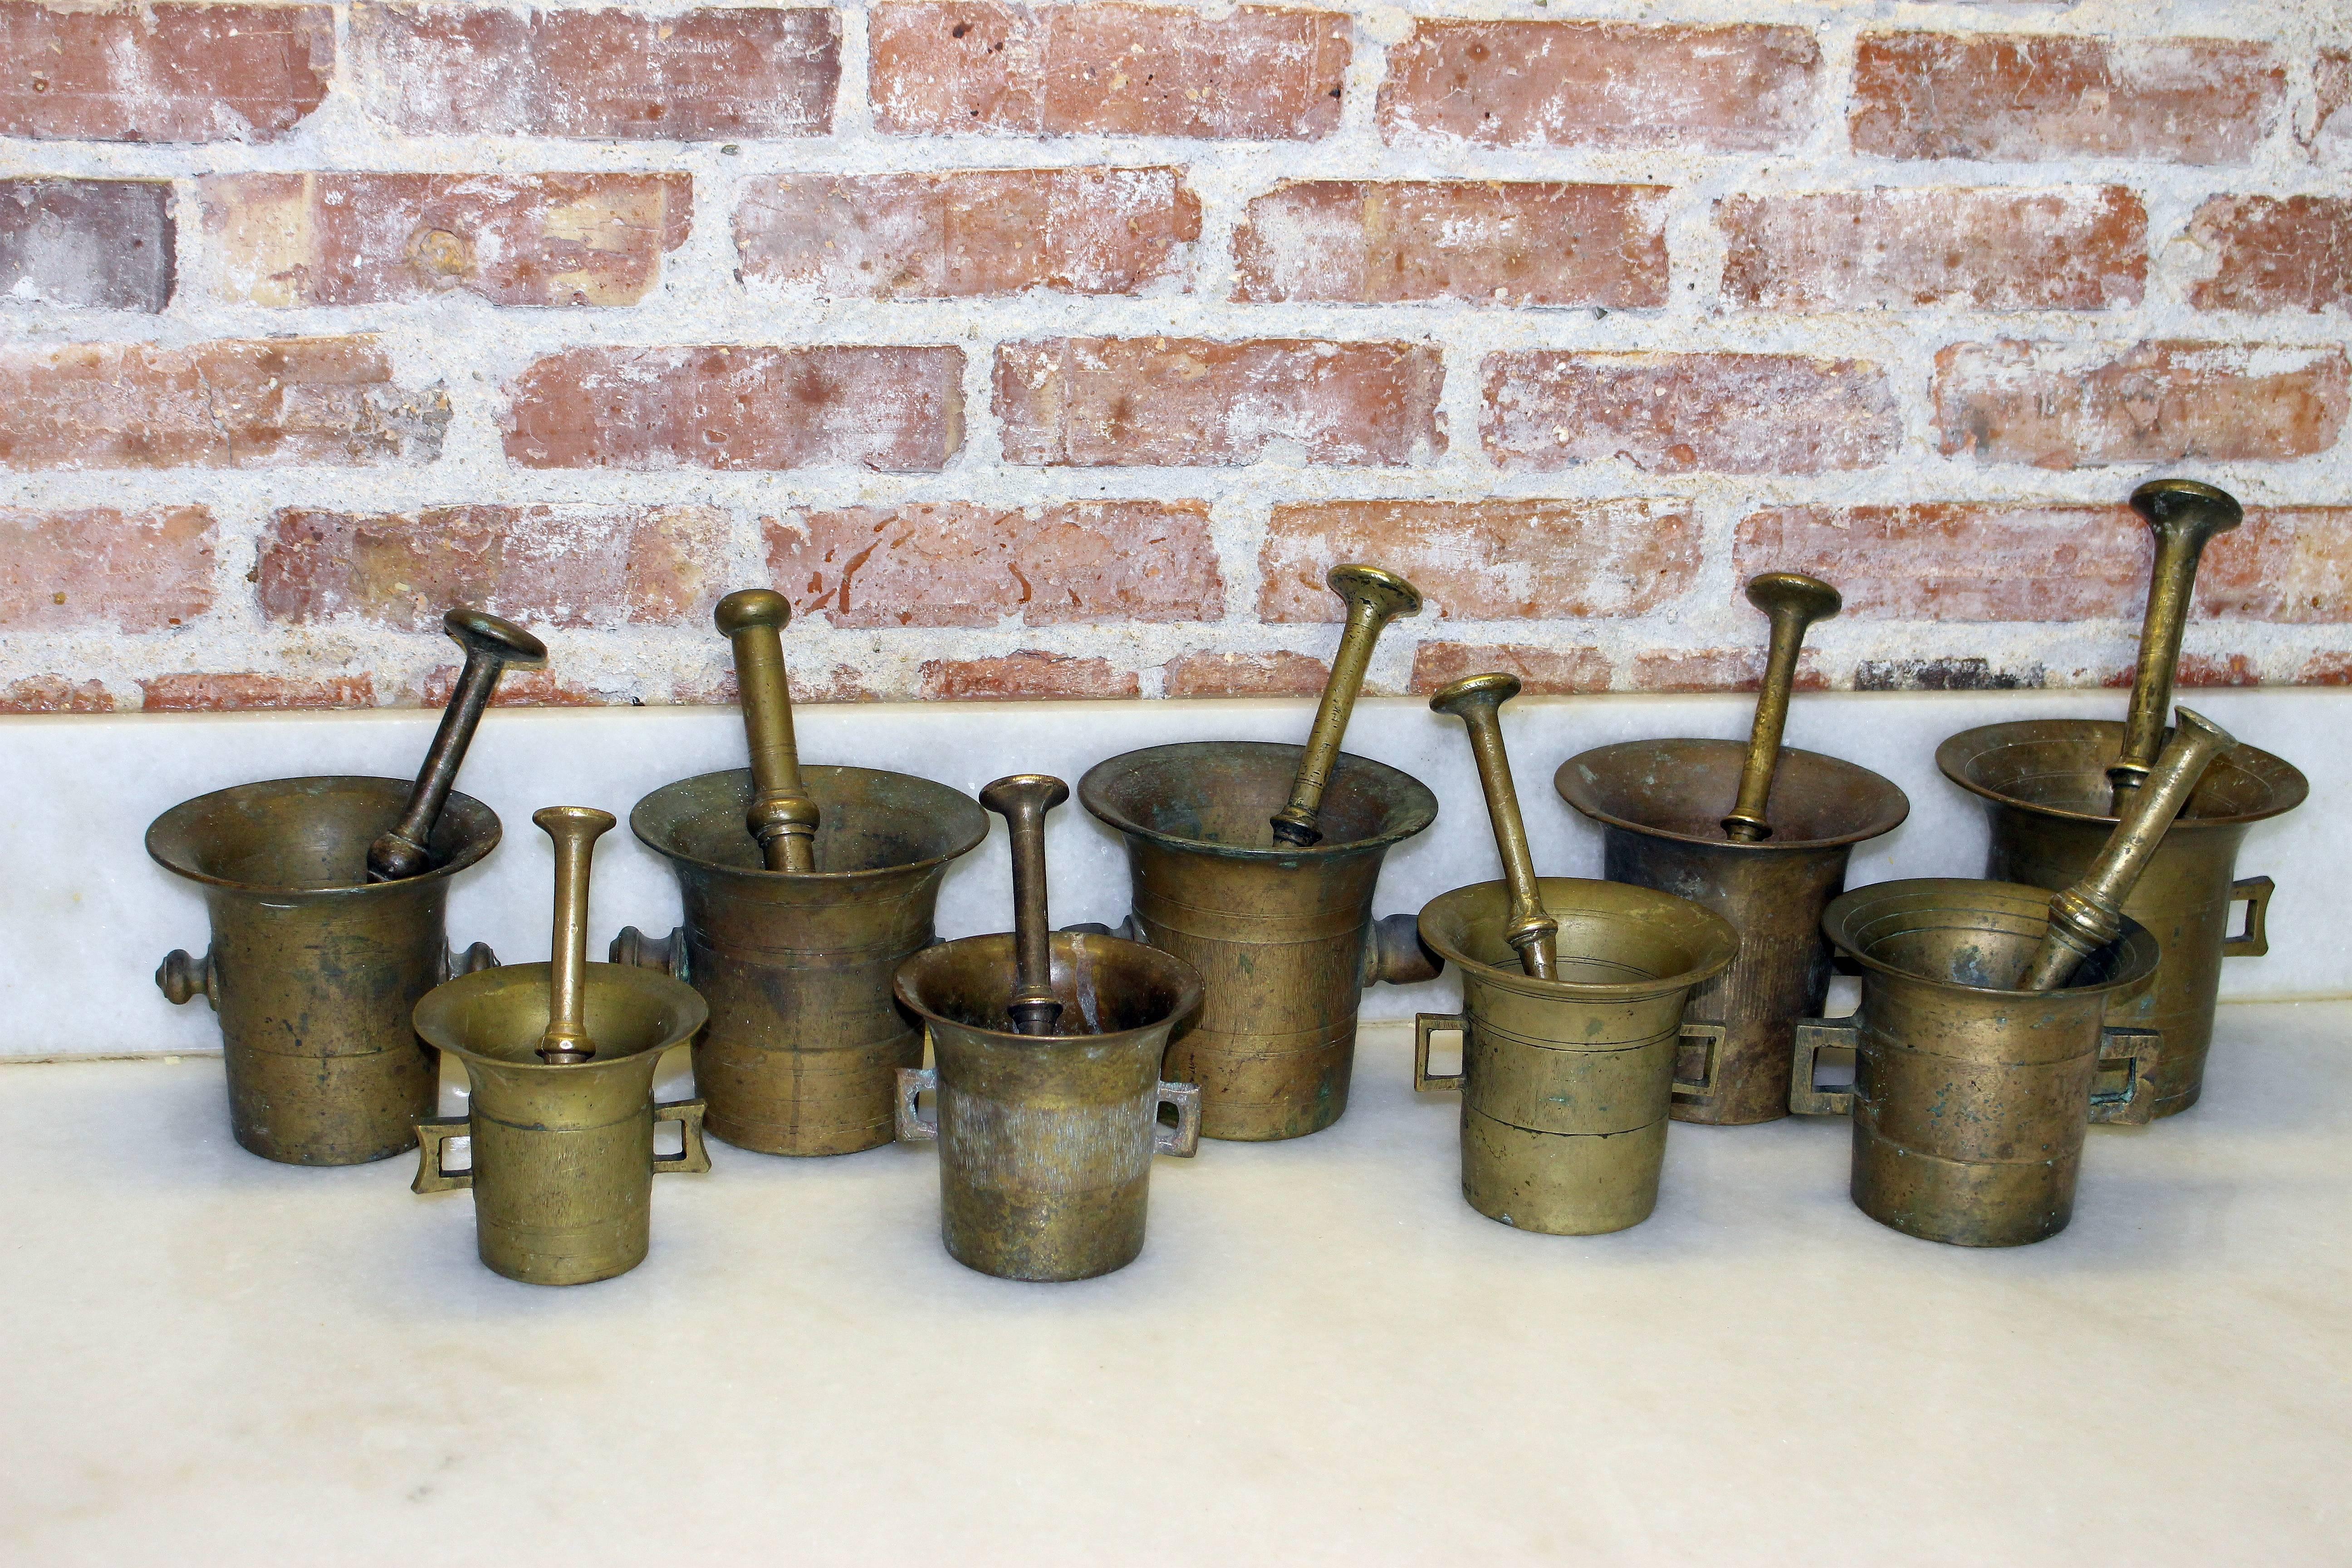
(2089, 915)
(1374, 598)
(1475, 701)
(575, 830)
(1023, 800)
(783, 815)
(2184, 515)
(491, 644)
(1793, 602)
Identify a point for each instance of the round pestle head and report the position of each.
(1489, 692)
(1810, 598)
(749, 607)
(479, 631)
(2185, 504)
(1009, 797)
(1385, 592)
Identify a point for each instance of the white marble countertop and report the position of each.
(1323, 1356)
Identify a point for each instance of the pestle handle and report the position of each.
(782, 816)
(2184, 515)
(575, 830)
(1023, 800)
(1793, 602)
(491, 644)
(1475, 701)
(2089, 915)
(1374, 597)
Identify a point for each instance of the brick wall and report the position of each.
(1056, 350)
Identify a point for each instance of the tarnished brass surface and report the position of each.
(1045, 1138)
(1282, 937)
(2088, 915)
(314, 969)
(804, 1042)
(1971, 1095)
(490, 644)
(782, 815)
(1374, 598)
(1566, 1082)
(561, 1057)
(1793, 602)
(2184, 516)
(1476, 700)
(1659, 803)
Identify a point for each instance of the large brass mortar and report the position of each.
(1282, 935)
(1566, 1082)
(804, 1043)
(314, 968)
(2046, 786)
(1660, 806)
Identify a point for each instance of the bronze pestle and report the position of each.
(1023, 800)
(490, 644)
(1793, 602)
(1374, 598)
(1475, 701)
(574, 829)
(2184, 515)
(783, 815)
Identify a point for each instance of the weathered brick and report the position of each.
(1277, 674)
(960, 564)
(541, 687)
(2025, 96)
(1601, 84)
(101, 568)
(1488, 560)
(2331, 127)
(704, 75)
(193, 693)
(102, 245)
(1096, 402)
(737, 408)
(986, 231)
(1945, 673)
(56, 694)
(1023, 676)
(2282, 564)
(371, 239)
(984, 68)
(162, 72)
(271, 403)
(2274, 253)
(552, 565)
(2330, 669)
(1958, 561)
(839, 683)
(1542, 671)
(1520, 243)
(1547, 409)
(2197, 670)
(2060, 407)
(1716, 669)
(2082, 248)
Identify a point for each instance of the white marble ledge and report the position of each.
(1323, 1356)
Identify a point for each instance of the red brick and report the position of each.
(265, 403)
(2197, 670)
(2076, 247)
(2283, 564)
(1377, 241)
(1716, 669)
(550, 565)
(1602, 84)
(371, 239)
(1548, 409)
(980, 68)
(705, 75)
(101, 568)
(1277, 674)
(737, 408)
(2274, 253)
(193, 693)
(1957, 562)
(2027, 96)
(102, 245)
(1487, 560)
(541, 687)
(1098, 401)
(960, 564)
(987, 231)
(1542, 671)
(841, 683)
(56, 694)
(1023, 676)
(162, 72)
(2331, 128)
(2326, 669)
(2158, 402)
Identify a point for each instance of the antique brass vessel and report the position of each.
(561, 1057)
(2051, 787)
(327, 899)
(1983, 1029)
(1281, 933)
(1569, 1046)
(1770, 866)
(804, 1043)
(1047, 1050)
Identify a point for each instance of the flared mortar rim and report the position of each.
(1189, 987)
(1708, 926)
(1889, 815)
(178, 820)
(1416, 809)
(2142, 956)
(1953, 756)
(441, 1035)
(976, 827)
